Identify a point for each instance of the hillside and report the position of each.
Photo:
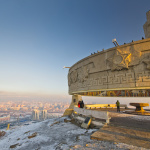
(57, 133)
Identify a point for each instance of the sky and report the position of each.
(38, 38)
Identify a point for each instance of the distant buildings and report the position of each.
(44, 114)
(4, 118)
(39, 115)
(35, 115)
(37, 110)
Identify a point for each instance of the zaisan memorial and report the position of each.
(123, 70)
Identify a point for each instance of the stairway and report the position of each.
(123, 135)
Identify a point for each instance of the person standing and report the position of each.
(118, 106)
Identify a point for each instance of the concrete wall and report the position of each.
(92, 113)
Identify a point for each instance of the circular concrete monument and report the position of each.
(119, 71)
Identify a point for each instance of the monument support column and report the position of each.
(75, 100)
(146, 26)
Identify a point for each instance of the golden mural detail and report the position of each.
(118, 93)
(119, 60)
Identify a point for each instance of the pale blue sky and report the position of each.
(39, 37)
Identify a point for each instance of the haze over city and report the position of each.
(38, 38)
(74, 74)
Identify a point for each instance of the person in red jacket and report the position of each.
(79, 104)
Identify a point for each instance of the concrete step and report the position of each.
(123, 135)
(128, 132)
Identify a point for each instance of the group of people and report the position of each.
(81, 105)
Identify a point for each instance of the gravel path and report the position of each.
(128, 120)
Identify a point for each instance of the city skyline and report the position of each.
(39, 38)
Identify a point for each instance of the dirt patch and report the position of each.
(2, 133)
(13, 146)
(26, 132)
(33, 135)
(54, 123)
(65, 120)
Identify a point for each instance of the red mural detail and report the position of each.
(118, 93)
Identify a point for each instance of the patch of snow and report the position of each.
(56, 137)
(92, 130)
(77, 131)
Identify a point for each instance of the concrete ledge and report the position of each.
(95, 123)
(93, 113)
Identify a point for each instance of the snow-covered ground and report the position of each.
(55, 134)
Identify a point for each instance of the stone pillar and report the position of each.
(75, 99)
(146, 26)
